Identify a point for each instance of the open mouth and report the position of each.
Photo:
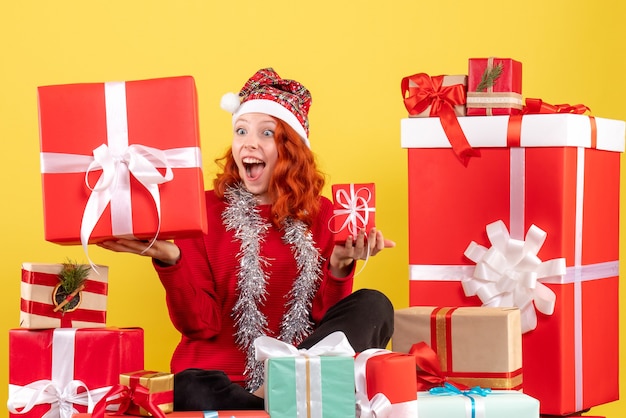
(254, 167)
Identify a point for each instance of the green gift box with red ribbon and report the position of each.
(545, 187)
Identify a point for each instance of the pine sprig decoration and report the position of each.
(489, 77)
(73, 276)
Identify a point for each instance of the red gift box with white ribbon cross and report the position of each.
(54, 373)
(540, 207)
(121, 159)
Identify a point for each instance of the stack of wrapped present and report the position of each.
(118, 159)
(512, 204)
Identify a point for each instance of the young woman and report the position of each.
(268, 265)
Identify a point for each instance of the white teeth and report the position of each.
(250, 160)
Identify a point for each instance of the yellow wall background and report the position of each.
(350, 54)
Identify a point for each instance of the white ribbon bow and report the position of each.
(61, 398)
(355, 206)
(335, 344)
(510, 273)
(377, 407)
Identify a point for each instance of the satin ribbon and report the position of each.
(127, 396)
(510, 273)
(449, 390)
(535, 106)
(61, 390)
(429, 373)
(335, 344)
(429, 91)
(307, 363)
(538, 106)
(355, 207)
(118, 160)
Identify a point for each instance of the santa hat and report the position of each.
(265, 92)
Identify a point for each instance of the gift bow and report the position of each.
(429, 91)
(335, 344)
(510, 273)
(428, 368)
(125, 396)
(449, 390)
(534, 106)
(60, 397)
(355, 206)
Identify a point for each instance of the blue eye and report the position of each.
(268, 132)
(240, 131)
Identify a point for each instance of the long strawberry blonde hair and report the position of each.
(296, 183)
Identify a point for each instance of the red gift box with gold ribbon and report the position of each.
(553, 196)
(55, 372)
(121, 159)
(39, 302)
(494, 86)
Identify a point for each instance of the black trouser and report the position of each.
(365, 317)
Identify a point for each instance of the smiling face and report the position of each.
(255, 152)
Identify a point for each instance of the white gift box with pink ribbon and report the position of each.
(533, 222)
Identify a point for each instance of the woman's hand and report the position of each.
(164, 251)
(360, 249)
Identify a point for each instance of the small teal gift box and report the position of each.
(316, 382)
(451, 402)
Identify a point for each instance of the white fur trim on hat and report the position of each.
(272, 108)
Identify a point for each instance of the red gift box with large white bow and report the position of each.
(532, 222)
(54, 373)
(121, 159)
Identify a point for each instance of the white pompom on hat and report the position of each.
(265, 92)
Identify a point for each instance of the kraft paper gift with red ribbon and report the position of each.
(553, 196)
(451, 402)
(194, 414)
(494, 86)
(317, 382)
(144, 393)
(424, 96)
(354, 208)
(386, 384)
(443, 97)
(39, 287)
(55, 373)
(474, 346)
(121, 159)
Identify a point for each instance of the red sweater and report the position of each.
(201, 289)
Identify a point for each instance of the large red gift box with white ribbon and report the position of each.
(55, 372)
(542, 219)
(121, 159)
(40, 291)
